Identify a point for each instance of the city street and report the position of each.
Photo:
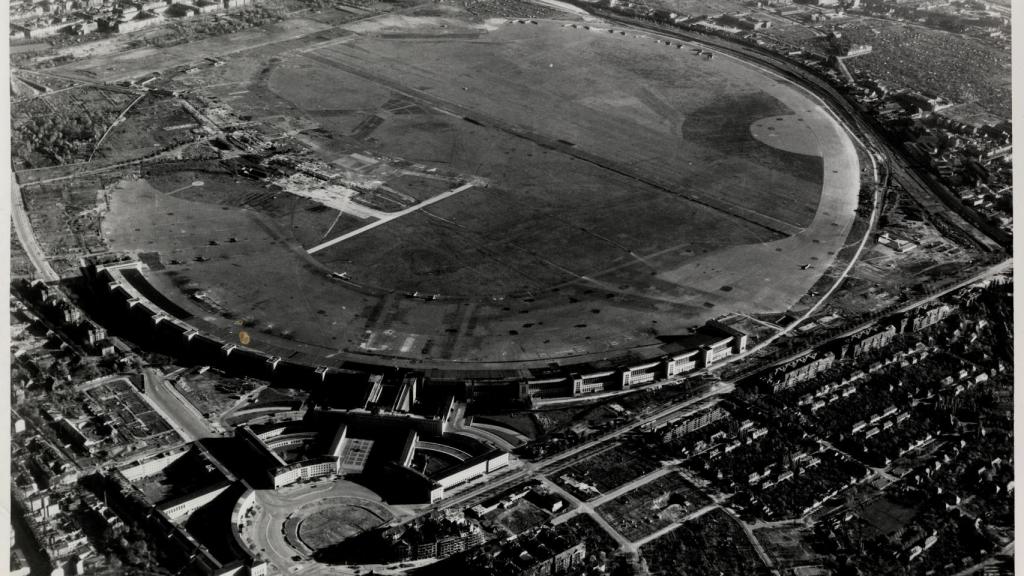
(27, 238)
(181, 415)
(266, 534)
(724, 290)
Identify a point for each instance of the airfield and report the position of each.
(529, 192)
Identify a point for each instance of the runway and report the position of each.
(390, 217)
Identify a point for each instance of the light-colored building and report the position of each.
(592, 382)
(640, 374)
(682, 363)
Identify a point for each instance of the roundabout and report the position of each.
(290, 525)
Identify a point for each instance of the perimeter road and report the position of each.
(391, 217)
(933, 199)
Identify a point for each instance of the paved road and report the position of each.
(547, 465)
(585, 508)
(758, 548)
(266, 535)
(390, 217)
(590, 507)
(998, 268)
(662, 531)
(1002, 267)
(23, 228)
(114, 124)
(269, 540)
(631, 485)
(537, 469)
(182, 416)
(101, 167)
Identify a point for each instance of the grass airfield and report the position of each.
(629, 190)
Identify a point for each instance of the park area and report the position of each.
(63, 127)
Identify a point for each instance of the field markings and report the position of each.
(407, 345)
(390, 217)
(333, 224)
(457, 110)
(195, 184)
(117, 121)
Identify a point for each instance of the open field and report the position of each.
(211, 393)
(885, 516)
(62, 127)
(883, 274)
(620, 214)
(789, 545)
(299, 219)
(629, 120)
(332, 524)
(710, 544)
(113, 63)
(155, 124)
(652, 506)
(67, 219)
(519, 517)
(604, 471)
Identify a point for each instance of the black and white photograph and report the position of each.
(509, 288)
